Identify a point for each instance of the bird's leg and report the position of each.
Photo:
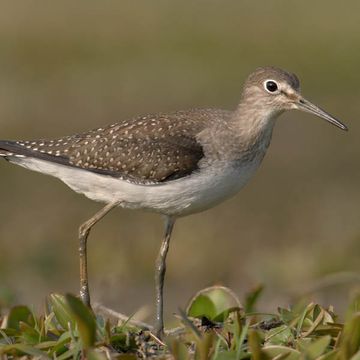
(84, 231)
(160, 269)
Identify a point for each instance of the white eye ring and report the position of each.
(271, 86)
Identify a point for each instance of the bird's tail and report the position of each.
(10, 148)
(13, 150)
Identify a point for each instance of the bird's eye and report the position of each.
(271, 86)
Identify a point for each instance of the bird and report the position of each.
(174, 164)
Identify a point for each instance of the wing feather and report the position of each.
(152, 148)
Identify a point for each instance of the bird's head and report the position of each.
(273, 91)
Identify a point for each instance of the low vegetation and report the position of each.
(214, 326)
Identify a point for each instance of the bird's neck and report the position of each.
(245, 136)
(252, 127)
(252, 121)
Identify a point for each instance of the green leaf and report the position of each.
(123, 342)
(276, 350)
(49, 323)
(331, 355)
(177, 348)
(303, 322)
(59, 347)
(202, 306)
(226, 355)
(20, 314)
(28, 334)
(316, 312)
(286, 315)
(240, 341)
(318, 347)
(95, 355)
(62, 311)
(222, 316)
(252, 298)
(6, 334)
(23, 349)
(69, 354)
(350, 339)
(281, 335)
(354, 306)
(204, 346)
(215, 303)
(85, 320)
(255, 346)
(45, 345)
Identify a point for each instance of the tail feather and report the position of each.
(9, 149)
(21, 150)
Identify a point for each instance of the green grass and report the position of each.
(214, 326)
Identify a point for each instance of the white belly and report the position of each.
(194, 193)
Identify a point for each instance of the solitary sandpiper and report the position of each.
(174, 164)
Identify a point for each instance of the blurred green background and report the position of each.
(69, 66)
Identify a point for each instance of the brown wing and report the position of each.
(145, 149)
(146, 157)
